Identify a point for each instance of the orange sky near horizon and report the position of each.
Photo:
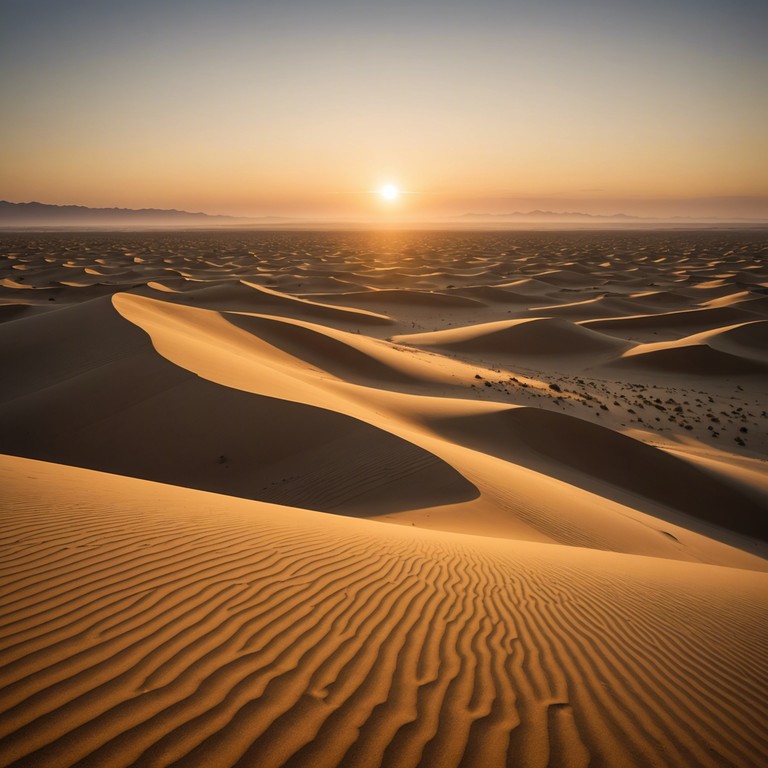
(287, 109)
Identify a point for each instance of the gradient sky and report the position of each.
(301, 107)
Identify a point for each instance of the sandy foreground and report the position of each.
(361, 499)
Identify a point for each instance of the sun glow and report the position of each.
(389, 192)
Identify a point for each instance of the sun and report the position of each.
(389, 192)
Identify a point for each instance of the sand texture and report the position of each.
(384, 499)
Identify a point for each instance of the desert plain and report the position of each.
(384, 499)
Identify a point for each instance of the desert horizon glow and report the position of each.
(263, 108)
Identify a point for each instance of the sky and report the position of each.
(306, 107)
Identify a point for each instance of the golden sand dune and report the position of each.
(490, 293)
(662, 299)
(545, 455)
(602, 306)
(671, 324)
(150, 625)
(407, 298)
(759, 306)
(747, 339)
(274, 354)
(217, 351)
(743, 299)
(346, 355)
(249, 297)
(537, 336)
(567, 277)
(553, 443)
(528, 286)
(59, 292)
(692, 359)
(740, 349)
(99, 389)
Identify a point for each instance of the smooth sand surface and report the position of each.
(318, 499)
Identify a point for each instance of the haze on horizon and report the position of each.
(298, 108)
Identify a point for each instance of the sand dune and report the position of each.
(344, 354)
(16, 311)
(273, 355)
(94, 406)
(408, 298)
(672, 324)
(148, 636)
(568, 277)
(528, 286)
(540, 439)
(732, 351)
(490, 293)
(758, 306)
(747, 339)
(662, 299)
(689, 360)
(538, 336)
(249, 297)
(545, 458)
(248, 364)
(602, 306)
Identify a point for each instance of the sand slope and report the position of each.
(545, 459)
(147, 636)
(553, 442)
(740, 349)
(538, 336)
(673, 324)
(94, 406)
(249, 297)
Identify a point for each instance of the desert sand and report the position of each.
(399, 499)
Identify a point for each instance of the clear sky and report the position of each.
(302, 107)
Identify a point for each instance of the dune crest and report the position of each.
(740, 349)
(539, 439)
(536, 336)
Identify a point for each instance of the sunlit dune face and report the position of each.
(389, 192)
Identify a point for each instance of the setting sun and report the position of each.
(389, 192)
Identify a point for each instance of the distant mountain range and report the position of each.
(551, 216)
(41, 215)
(557, 217)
